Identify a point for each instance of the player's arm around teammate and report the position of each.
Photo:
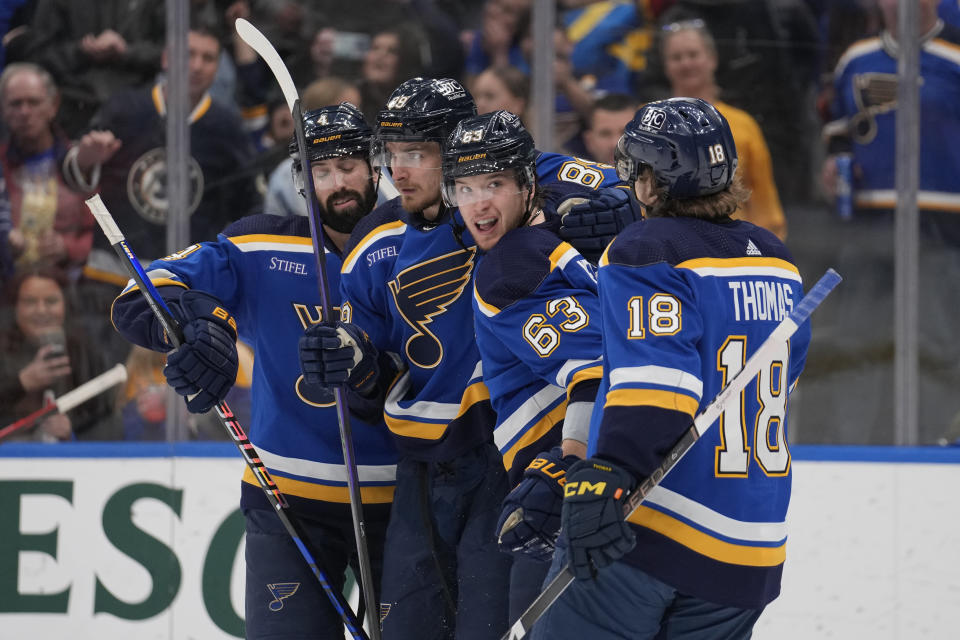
(537, 328)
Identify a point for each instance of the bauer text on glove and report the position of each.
(204, 367)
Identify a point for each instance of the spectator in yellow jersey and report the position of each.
(690, 61)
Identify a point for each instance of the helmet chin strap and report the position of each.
(527, 207)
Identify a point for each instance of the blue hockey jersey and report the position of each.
(404, 285)
(557, 169)
(684, 303)
(865, 104)
(263, 270)
(610, 41)
(439, 408)
(537, 320)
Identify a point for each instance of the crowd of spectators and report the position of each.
(83, 103)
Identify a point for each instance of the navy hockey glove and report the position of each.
(204, 367)
(530, 519)
(592, 515)
(590, 224)
(333, 354)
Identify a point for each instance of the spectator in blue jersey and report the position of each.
(684, 302)
(542, 374)
(610, 41)
(497, 42)
(132, 178)
(949, 12)
(860, 339)
(258, 280)
(574, 95)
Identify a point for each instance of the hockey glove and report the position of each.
(592, 515)
(333, 354)
(204, 367)
(530, 519)
(590, 224)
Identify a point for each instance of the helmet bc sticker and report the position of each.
(450, 88)
(653, 119)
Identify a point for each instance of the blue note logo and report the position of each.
(424, 291)
(281, 591)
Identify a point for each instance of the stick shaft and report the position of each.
(28, 420)
(257, 41)
(93, 387)
(343, 412)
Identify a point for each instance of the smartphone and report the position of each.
(349, 45)
(56, 351)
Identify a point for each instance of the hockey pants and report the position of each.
(444, 577)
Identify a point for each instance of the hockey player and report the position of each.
(259, 280)
(536, 317)
(444, 576)
(686, 297)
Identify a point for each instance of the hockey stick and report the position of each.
(701, 423)
(69, 400)
(230, 422)
(259, 43)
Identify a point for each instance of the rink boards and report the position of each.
(146, 540)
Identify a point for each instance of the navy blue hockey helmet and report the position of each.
(423, 109)
(488, 143)
(685, 141)
(334, 131)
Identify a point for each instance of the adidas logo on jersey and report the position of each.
(752, 249)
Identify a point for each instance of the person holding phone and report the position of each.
(41, 359)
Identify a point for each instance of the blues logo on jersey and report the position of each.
(426, 290)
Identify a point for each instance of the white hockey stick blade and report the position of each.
(386, 184)
(253, 37)
(104, 219)
(91, 388)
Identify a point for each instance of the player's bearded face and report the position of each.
(343, 208)
(345, 191)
